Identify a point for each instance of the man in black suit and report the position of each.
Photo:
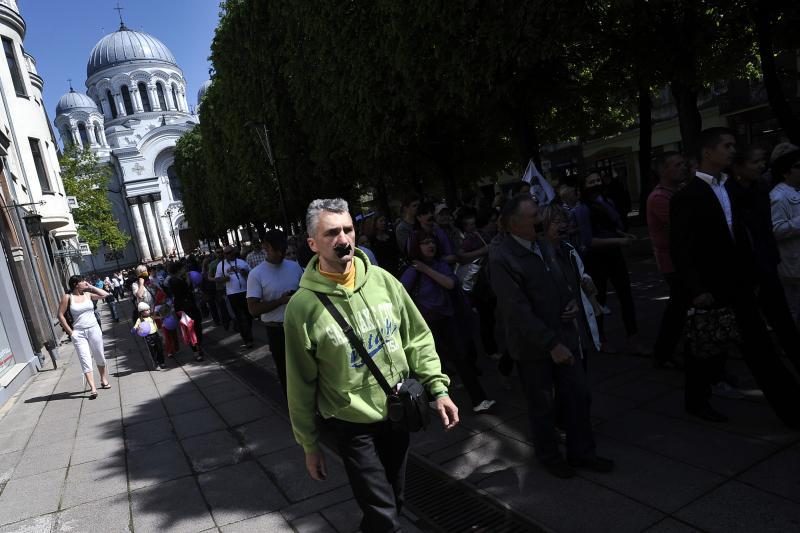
(713, 256)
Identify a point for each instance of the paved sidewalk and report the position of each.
(190, 448)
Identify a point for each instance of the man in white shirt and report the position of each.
(270, 285)
(233, 271)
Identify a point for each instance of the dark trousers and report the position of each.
(238, 303)
(673, 319)
(450, 345)
(155, 347)
(772, 301)
(277, 347)
(702, 371)
(374, 457)
(221, 301)
(609, 265)
(539, 379)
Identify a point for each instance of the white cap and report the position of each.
(143, 306)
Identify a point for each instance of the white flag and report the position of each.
(540, 187)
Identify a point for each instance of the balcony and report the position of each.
(55, 213)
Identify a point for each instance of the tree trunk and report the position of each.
(777, 99)
(645, 147)
(691, 123)
(527, 142)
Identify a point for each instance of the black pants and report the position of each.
(221, 301)
(539, 379)
(609, 265)
(772, 301)
(702, 371)
(243, 317)
(450, 345)
(155, 347)
(673, 320)
(374, 457)
(277, 347)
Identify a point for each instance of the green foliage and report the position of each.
(191, 170)
(86, 179)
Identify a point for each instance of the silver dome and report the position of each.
(73, 100)
(127, 46)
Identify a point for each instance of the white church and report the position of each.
(131, 116)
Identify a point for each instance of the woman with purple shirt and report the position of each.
(431, 282)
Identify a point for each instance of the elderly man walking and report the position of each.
(330, 386)
(538, 308)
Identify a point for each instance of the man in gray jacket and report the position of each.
(538, 309)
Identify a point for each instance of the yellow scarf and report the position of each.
(346, 279)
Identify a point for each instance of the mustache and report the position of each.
(343, 249)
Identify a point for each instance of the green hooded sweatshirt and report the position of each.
(325, 374)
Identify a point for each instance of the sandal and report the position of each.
(105, 385)
(93, 395)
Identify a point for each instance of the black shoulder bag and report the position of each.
(407, 402)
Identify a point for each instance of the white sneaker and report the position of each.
(484, 406)
(723, 390)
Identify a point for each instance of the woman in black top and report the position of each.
(383, 242)
(183, 300)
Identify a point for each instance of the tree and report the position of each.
(190, 166)
(87, 179)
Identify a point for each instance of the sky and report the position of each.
(61, 34)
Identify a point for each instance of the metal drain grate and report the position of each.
(452, 506)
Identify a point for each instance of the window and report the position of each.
(126, 100)
(66, 136)
(174, 183)
(38, 161)
(13, 66)
(97, 133)
(175, 96)
(145, 97)
(162, 101)
(112, 105)
(84, 134)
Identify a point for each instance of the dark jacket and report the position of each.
(754, 205)
(707, 257)
(529, 302)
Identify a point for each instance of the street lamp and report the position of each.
(263, 137)
(168, 215)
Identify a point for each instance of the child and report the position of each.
(146, 327)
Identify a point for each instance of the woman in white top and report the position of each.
(87, 337)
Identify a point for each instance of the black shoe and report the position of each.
(594, 464)
(559, 469)
(708, 414)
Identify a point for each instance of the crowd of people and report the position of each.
(440, 290)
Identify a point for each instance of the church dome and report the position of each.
(73, 100)
(127, 46)
(202, 91)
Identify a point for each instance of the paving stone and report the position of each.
(313, 523)
(54, 432)
(156, 463)
(181, 386)
(7, 463)
(702, 446)
(38, 459)
(318, 502)
(737, 507)
(778, 474)
(111, 515)
(243, 410)
(147, 433)
(670, 525)
(106, 399)
(94, 481)
(87, 450)
(516, 428)
(39, 524)
(184, 403)
(562, 505)
(197, 423)
(345, 516)
(606, 406)
(272, 522)
(31, 496)
(482, 456)
(223, 392)
(266, 435)
(14, 440)
(435, 438)
(175, 506)
(149, 410)
(288, 468)
(213, 450)
(240, 491)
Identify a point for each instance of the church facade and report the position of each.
(132, 114)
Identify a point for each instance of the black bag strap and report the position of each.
(355, 342)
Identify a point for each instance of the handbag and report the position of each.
(710, 331)
(407, 402)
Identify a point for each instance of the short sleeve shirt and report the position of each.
(236, 271)
(269, 282)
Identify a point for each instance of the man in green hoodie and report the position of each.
(326, 376)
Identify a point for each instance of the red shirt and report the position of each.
(658, 226)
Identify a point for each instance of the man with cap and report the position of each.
(785, 205)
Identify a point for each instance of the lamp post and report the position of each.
(263, 137)
(168, 215)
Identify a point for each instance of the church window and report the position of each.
(175, 96)
(84, 134)
(126, 100)
(111, 104)
(162, 101)
(66, 136)
(145, 97)
(13, 66)
(97, 134)
(174, 183)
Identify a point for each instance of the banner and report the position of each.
(540, 187)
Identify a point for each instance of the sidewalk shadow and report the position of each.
(74, 395)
